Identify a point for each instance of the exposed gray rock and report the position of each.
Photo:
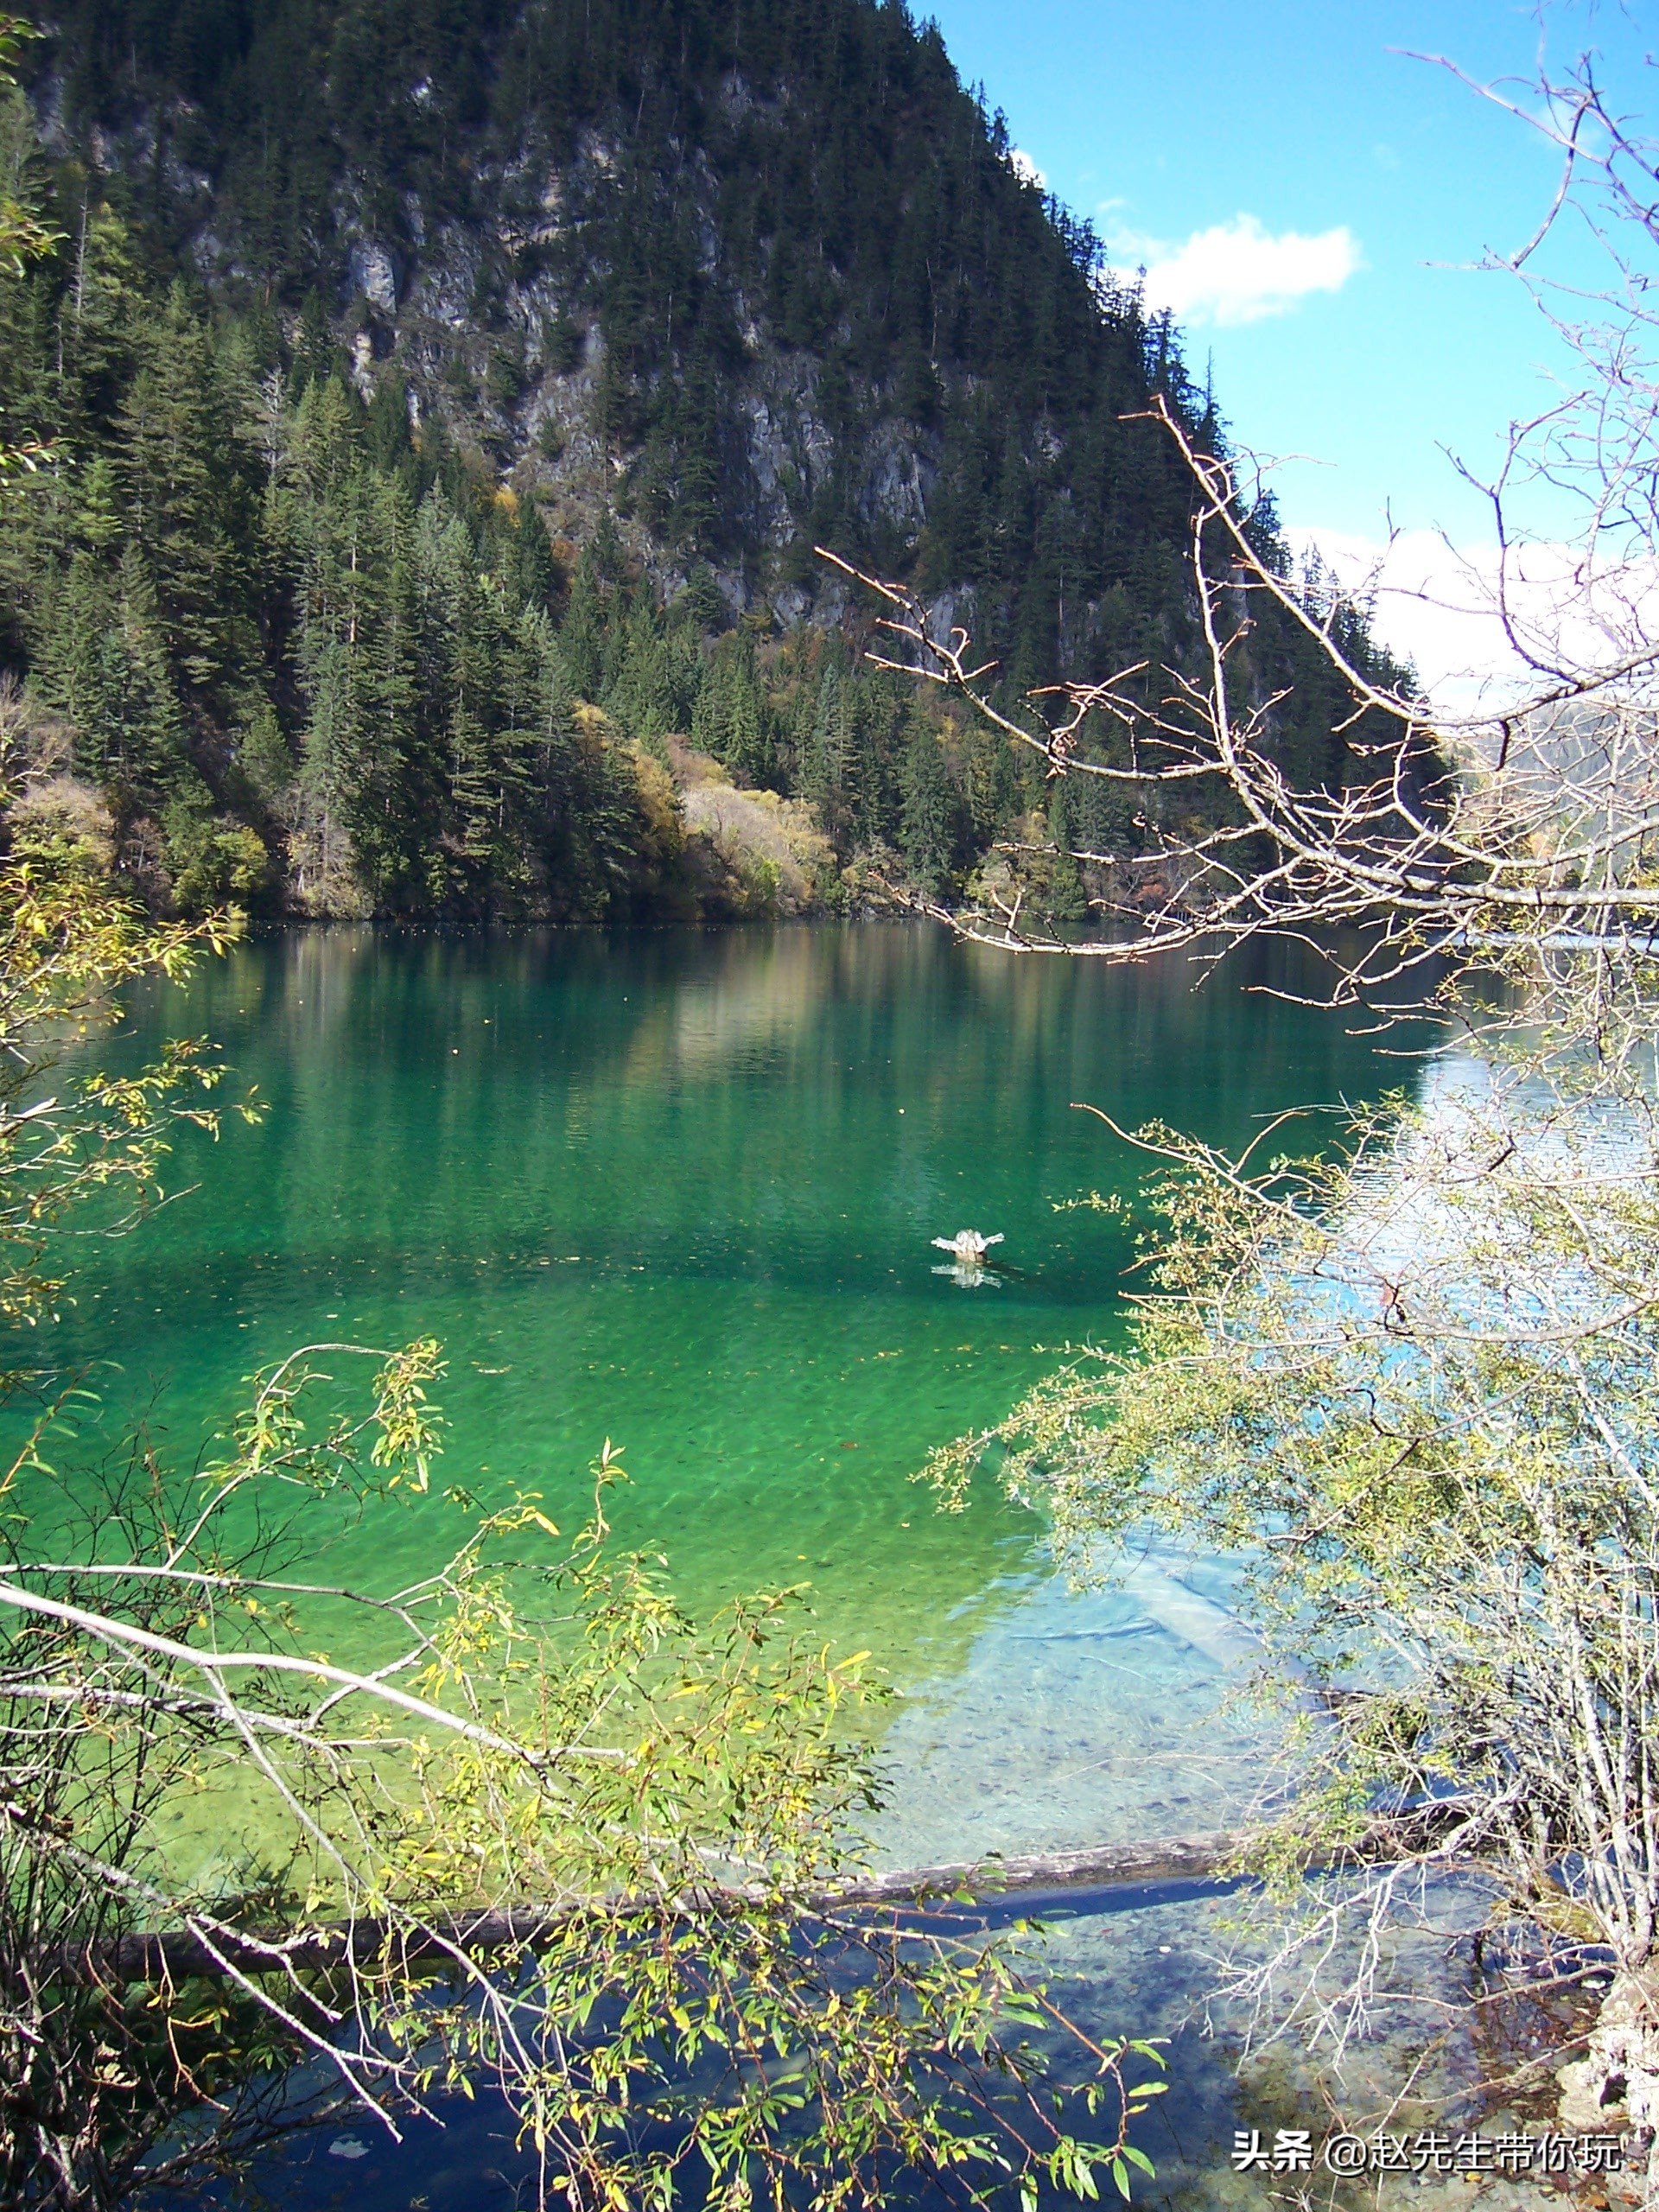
(1614, 2087)
(444, 297)
(374, 273)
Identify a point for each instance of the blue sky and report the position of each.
(1279, 125)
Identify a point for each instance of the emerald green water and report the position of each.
(679, 1188)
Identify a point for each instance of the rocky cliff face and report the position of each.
(744, 284)
(532, 381)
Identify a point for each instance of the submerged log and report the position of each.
(181, 1955)
(1163, 1858)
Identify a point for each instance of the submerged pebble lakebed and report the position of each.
(679, 1189)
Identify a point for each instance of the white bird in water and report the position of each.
(968, 1248)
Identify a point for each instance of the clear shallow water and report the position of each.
(1113, 1964)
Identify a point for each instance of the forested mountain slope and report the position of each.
(449, 398)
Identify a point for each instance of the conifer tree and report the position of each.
(640, 699)
(583, 634)
(106, 668)
(171, 440)
(1063, 891)
(925, 835)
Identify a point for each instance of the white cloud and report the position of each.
(1238, 272)
(1436, 604)
(1432, 606)
(1025, 170)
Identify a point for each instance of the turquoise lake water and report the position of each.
(679, 1188)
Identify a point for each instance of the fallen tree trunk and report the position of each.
(1164, 1858)
(206, 1949)
(179, 1954)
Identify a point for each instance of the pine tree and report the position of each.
(103, 664)
(748, 736)
(583, 634)
(1062, 890)
(830, 770)
(640, 700)
(926, 835)
(172, 441)
(732, 719)
(336, 544)
(392, 784)
(100, 315)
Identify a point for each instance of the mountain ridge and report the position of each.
(788, 302)
(428, 374)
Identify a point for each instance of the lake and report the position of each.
(679, 1189)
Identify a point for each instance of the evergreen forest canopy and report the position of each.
(442, 403)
